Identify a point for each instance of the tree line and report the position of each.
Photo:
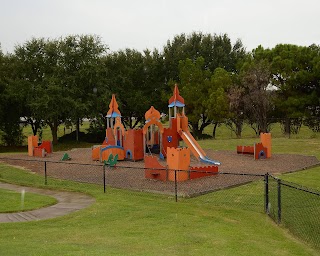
(64, 80)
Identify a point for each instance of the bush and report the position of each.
(12, 134)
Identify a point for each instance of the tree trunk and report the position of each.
(215, 125)
(77, 129)
(238, 129)
(54, 131)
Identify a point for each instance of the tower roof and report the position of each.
(113, 108)
(176, 99)
(152, 113)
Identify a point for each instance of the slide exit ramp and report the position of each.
(196, 148)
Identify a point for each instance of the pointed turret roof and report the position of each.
(113, 108)
(176, 99)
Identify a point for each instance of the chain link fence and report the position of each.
(295, 207)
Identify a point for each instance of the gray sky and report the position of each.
(142, 24)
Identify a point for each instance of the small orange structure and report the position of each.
(154, 170)
(39, 151)
(178, 159)
(258, 150)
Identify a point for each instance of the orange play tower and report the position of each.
(177, 158)
(126, 144)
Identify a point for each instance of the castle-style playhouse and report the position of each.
(153, 138)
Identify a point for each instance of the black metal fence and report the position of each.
(295, 207)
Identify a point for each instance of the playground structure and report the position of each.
(259, 150)
(39, 150)
(153, 138)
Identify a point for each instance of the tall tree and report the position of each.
(195, 86)
(295, 71)
(79, 70)
(217, 99)
(11, 102)
(255, 79)
(217, 51)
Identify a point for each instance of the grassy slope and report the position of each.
(11, 201)
(132, 223)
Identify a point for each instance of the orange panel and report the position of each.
(39, 152)
(114, 151)
(133, 142)
(32, 143)
(245, 150)
(178, 159)
(202, 171)
(156, 171)
(260, 151)
(266, 142)
(110, 137)
(95, 153)
(47, 145)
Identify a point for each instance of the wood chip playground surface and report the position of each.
(238, 169)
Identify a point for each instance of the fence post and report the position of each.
(175, 185)
(45, 173)
(279, 201)
(266, 191)
(104, 178)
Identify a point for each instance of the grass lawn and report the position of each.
(123, 222)
(12, 201)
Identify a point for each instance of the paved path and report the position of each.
(67, 202)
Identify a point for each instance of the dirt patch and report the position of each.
(235, 170)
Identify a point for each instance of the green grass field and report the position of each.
(131, 223)
(12, 201)
(123, 222)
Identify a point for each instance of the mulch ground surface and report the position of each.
(235, 170)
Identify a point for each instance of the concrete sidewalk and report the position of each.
(68, 202)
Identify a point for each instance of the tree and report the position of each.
(11, 103)
(236, 105)
(79, 70)
(195, 85)
(137, 79)
(255, 79)
(217, 101)
(295, 71)
(216, 50)
(47, 99)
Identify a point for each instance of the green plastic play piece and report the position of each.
(65, 157)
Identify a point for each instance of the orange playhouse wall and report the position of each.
(112, 150)
(47, 145)
(110, 140)
(156, 171)
(95, 153)
(133, 141)
(266, 142)
(32, 143)
(202, 171)
(260, 151)
(39, 152)
(178, 159)
(170, 132)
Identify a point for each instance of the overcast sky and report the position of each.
(142, 24)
